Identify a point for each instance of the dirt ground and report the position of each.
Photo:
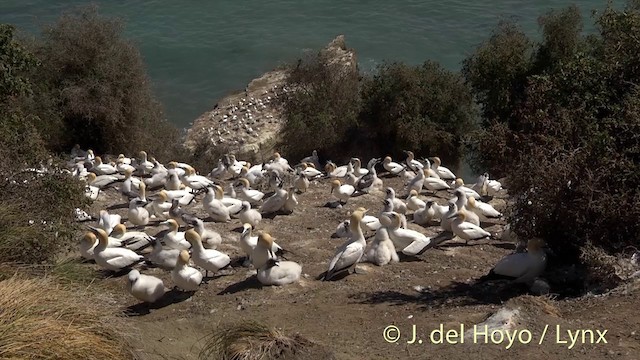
(349, 315)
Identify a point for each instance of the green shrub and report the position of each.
(321, 109)
(425, 108)
(570, 146)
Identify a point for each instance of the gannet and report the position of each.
(381, 250)
(350, 253)
(414, 202)
(163, 258)
(424, 214)
(123, 159)
(232, 204)
(447, 218)
(314, 159)
(410, 242)
(263, 250)
(101, 181)
(417, 182)
(220, 171)
(161, 204)
(483, 210)
(412, 163)
(208, 259)
(248, 243)
(144, 166)
(249, 215)
(398, 205)
(466, 230)
(279, 273)
(253, 173)
(291, 202)
(247, 194)
(301, 183)
(371, 181)
(461, 204)
(173, 238)
(210, 239)
(184, 196)
(173, 181)
(274, 180)
(130, 182)
(102, 169)
(77, 152)
(459, 185)
(442, 171)
(216, 210)
(108, 221)
(231, 191)
(112, 258)
(87, 244)
(392, 167)
(275, 202)
(145, 288)
(138, 215)
(310, 172)
(178, 214)
(335, 171)
(342, 192)
(434, 184)
(195, 182)
(485, 186)
(157, 180)
(428, 170)
(177, 168)
(184, 276)
(523, 267)
(122, 168)
(358, 171)
(133, 240)
(279, 159)
(407, 175)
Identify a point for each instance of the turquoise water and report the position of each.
(197, 51)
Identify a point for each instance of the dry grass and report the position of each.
(40, 319)
(255, 341)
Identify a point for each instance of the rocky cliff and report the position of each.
(249, 121)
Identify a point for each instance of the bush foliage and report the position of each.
(562, 122)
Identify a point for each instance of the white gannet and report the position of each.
(87, 244)
(133, 240)
(381, 250)
(301, 183)
(161, 204)
(371, 181)
(157, 180)
(342, 192)
(447, 218)
(410, 242)
(428, 170)
(163, 258)
(412, 163)
(144, 166)
(424, 214)
(485, 186)
(275, 202)
(313, 159)
(219, 171)
(231, 191)
(459, 185)
(398, 205)
(253, 173)
(291, 202)
(102, 169)
(434, 184)
(392, 167)
(184, 276)
(248, 243)
(123, 159)
(232, 204)
(358, 171)
(309, 172)
(276, 272)
(173, 181)
(523, 267)
(466, 230)
(108, 221)
(122, 167)
(195, 182)
(249, 215)
(442, 171)
(350, 253)
(101, 181)
(145, 288)
(407, 175)
(173, 238)
(184, 196)
(138, 215)
(112, 258)
(334, 171)
(208, 259)
(414, 202)
(248, 194)
(417, 182)
(462, 206)
(483, 210)
(215, 208)
(264, 250)
(210, 239)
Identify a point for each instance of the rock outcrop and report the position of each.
(248, 122)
